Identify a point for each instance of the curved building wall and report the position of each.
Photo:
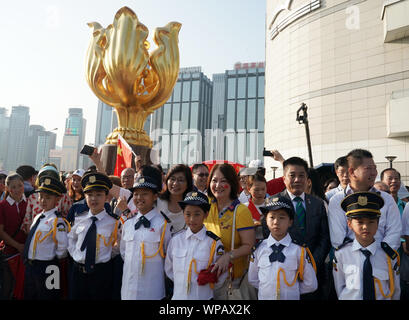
(339, 59)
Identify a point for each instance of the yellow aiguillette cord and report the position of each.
(112, 239)
(189, 275)
(53, 231)
(391, 280)
(300, 272)
(160, 249)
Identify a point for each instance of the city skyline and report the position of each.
(57, 35)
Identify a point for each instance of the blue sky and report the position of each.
(43, 47)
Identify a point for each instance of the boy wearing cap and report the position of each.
(192, 252)
(46, 242)
(365, 269)
(144, 240)
(93, 241)
(280, 268)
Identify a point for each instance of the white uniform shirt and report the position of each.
(147, 283)
(389, 229)
(329, 194)
(106, 226)
(263, 273)
(183, 248)
(177, 219)
(348, 271)
(47, 249)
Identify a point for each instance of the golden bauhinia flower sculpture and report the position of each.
(122, 73)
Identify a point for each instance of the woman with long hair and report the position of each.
(233, 223)
(178, 183)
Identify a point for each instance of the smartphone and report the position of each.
(267, 153)
(87, 150)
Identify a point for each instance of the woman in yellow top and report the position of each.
(223, 188)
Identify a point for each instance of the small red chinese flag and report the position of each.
(123, 156)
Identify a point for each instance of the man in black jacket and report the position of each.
(310, 225)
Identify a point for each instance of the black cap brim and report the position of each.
(204, 206)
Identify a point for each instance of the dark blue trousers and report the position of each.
(91, 286)
(35, 281)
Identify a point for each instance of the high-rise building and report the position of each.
(18, 132)
(46, 142)
(34, 132)
(4, 135)
(104, 122)
(73, 140)
(178, 128)
(55, 157)
(238, 110)
(348, 61)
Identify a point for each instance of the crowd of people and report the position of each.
(198, 234)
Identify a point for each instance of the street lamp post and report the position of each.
(274, 171)
(390, 159)
(303, 119)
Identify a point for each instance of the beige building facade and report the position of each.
(348, 61)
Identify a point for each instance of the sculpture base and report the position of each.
(108, 156)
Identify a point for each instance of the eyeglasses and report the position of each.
(201, 175)
(173, 180)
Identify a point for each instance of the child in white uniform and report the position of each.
(192, 253)
(280, 268)
(143, 243)
(365, 269)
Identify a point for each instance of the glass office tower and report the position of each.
(244, 113)
(178, 127)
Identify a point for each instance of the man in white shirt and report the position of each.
(341, 170)
(362, 174)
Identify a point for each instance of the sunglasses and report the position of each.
(203, 174)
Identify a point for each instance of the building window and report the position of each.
(176, 92)
(252, 87)
(230, 114)
(194, 115)
(260, 114)
(251, 114)
(241, 88)
(186, 90)
(231, 88)
(175, 117)
(261, 86)
(185, 116)
(166, 117)
(241, 114)
(195, 90)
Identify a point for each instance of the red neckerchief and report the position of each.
(254, 211)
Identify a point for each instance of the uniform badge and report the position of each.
(47, 182)
(141, 180)
(194, 194)
(275, 199)
(362, 200)
(92, 179)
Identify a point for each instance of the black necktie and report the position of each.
(29, 237)
(368, 281)
(277, 254)
(142, 220)
(90, 242)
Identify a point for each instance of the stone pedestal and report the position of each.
(108, 156)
